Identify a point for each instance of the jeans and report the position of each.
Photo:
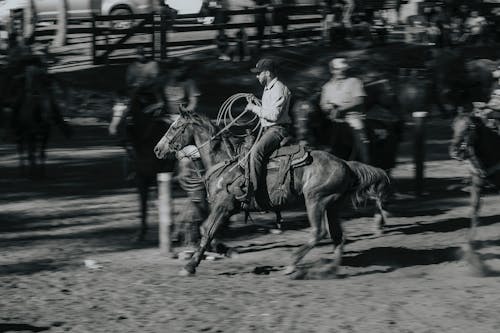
(268, 143)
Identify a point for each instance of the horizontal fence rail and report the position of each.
(158, 33)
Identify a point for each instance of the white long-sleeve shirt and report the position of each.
(275, 104)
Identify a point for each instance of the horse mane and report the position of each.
(226, 137)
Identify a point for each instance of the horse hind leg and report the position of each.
(336, 232)
(143, 188)
(43, 154)
(315, 213)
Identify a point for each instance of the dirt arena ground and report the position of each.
(411, 279)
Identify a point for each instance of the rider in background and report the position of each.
(274, 119)
(141, 80)
(179, 89)
(343, 98)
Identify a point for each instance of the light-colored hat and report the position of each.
(339, 63)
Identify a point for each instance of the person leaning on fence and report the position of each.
(274, 119)
(179, 89)
(343, 98)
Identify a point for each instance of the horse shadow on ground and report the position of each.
(441, 226)
(32, 267)
(371, 261)
(380, 260)
(8, 327)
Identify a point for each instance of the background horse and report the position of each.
(457, 82)
(324, 185)
(142, 129)
(383, 125)
(32, 110)
(478, 144)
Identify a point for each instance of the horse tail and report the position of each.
(370, 183)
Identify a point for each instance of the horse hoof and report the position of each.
(184, 272)
(289, 270)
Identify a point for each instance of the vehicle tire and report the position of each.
(121, 24)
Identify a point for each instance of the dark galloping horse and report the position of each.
(477, 144)
(143, 128)
(324, 185)
(33, 109)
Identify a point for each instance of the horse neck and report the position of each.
(211, 151)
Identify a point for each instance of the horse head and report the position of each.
(179, 134)
(463, 129)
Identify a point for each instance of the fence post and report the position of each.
(163, 35)
(165, 211)
(153, 39)
(94, 32)
(419, 150)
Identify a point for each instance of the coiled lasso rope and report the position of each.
(226, 117)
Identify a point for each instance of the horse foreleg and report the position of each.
(32, 156)
(21, 156)
(471, 256)
(475, 197)
(215, 220)
(315, 214)
(143, 188)
(43, 154)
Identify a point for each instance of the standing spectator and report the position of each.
(433, 33)
(260, 20)
(141, 75)
(379, 26)
(327, 15)
(196, 209)
(280, 17)
(474, 26)
(222, 42)
(242, 45)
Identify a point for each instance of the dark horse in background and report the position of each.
(141, 126)
(476, 143)
(29, 109)
(456, 82)
(383, 125)
(324, 185)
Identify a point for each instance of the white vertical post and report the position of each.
(165, 211)
(419, 150)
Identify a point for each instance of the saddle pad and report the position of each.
(297, 154)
